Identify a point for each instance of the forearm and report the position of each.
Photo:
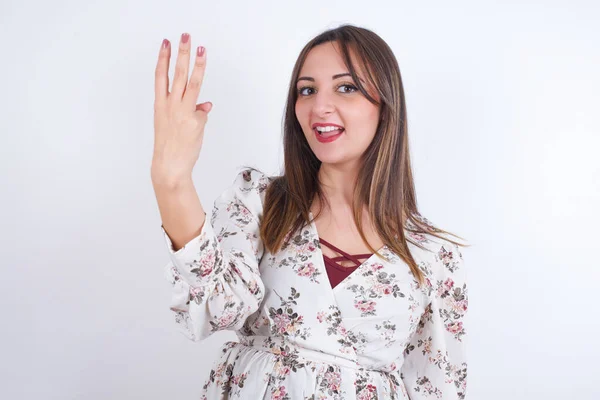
(180, 209)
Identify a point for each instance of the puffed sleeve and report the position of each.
(435, 363)
(215, 277)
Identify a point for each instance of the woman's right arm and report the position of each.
(213, 270)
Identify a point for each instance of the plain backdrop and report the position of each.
(503, 101)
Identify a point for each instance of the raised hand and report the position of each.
(178, 121)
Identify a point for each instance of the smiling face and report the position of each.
(325, 97)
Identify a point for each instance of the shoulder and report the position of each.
(438, 257)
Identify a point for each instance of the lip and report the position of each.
(327, 139)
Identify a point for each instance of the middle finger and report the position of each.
(181, 67)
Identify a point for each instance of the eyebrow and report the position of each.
(334, 77)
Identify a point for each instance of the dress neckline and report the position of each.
(313, 226)
(334, 261)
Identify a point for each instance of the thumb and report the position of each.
(206, 107)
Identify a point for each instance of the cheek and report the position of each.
(373, 117)
(367, 118)
(300, 113)
(366, 122)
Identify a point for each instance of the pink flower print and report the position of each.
(427, 282)
(278, 351)
(220, 369)
(306, 248)
(446, 256)
(281, 370)
(321, 316)
(459, 307)
(253, 286)
(454, 327)
(279, 393)
(226, 319)
(438, 359)
(306, 270)
(281, 322)
(205, 265)
(418, 237)
(194, 291)
(369, 392)
(383, 289)
(376, 267)
(445, 287)
(365, 306)
(239, 379)
(334, 380)
(235, 269)
(427, 346)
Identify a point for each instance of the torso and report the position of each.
(338, 228)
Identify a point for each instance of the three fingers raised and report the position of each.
(186, 92)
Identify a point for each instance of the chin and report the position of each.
(331, 157)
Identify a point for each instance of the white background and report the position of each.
(503, 101)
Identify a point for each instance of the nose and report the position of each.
(323, 103)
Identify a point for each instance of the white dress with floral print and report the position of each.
(376, 335)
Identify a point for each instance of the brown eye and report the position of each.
(354, 88)
(302, 89)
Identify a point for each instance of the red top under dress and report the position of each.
(335, 271)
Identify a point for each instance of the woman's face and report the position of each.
(327, 98)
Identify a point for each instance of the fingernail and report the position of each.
(165, 43)
(185, 37)
(200, 51)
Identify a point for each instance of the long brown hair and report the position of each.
(385, 181)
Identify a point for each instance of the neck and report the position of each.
(338, 183)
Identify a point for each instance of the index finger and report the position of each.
(161, 75)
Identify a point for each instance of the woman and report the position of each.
(386, 323)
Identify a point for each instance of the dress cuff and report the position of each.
(200, 261)
(206, 231)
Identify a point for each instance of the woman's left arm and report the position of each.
(435, 362)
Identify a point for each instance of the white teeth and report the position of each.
(327, 128)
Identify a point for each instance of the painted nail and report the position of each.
(185, 37)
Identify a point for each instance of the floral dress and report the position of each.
(375, 335)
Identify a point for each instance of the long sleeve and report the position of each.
(435, 363)
(215, 277)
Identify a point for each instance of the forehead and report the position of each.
(325, 60)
